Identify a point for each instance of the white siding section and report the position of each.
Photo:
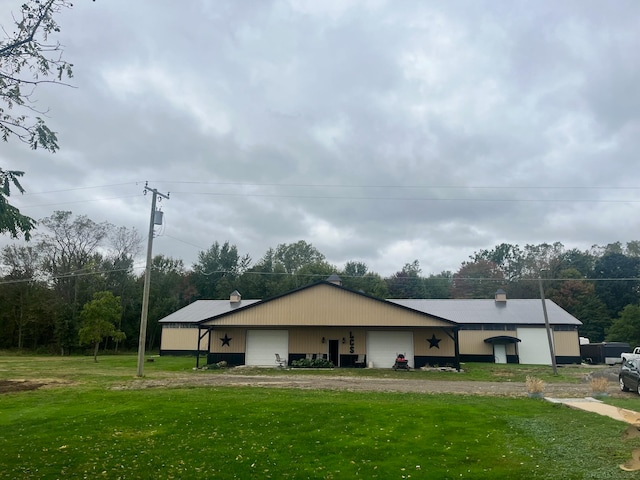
(382, 347)
(534, 347)
(262, 346)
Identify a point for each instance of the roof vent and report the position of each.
(235, 297)
(335, 279)
(501, 297)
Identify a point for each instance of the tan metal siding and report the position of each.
(237, 344)
(421, 345)
(309, 340)
(327, 306)
(472, 342)
(181, 339)
(566, 344)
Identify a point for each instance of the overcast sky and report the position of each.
(378, 131)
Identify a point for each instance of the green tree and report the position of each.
(295, 255)
(478, 279)
(581, 261)
(11, 220)
(617, 285)
(99, 317)
(118, 277)
(71, 256)
(217, 269)
(168, 282)
(356, 276)
(438, 285)
(509, 258)
(407, 283)
(28, 305)
(311, 273)
(626, 328)
(264, 279)
(578, 297)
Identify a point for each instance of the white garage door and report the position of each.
(262, 346)
(534, 347)
(382, 347)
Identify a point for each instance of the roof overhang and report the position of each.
(502, 339)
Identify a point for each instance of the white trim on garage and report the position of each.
(262, 346)
(383, 346)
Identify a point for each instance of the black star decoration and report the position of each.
(433, 341)
(225, 340)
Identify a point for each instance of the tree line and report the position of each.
(57, 290)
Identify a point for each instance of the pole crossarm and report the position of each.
(147, 278)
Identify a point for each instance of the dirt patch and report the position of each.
(10, 386)
(631, 432)
(404, 383)
(633, 464)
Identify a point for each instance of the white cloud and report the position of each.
(184, 93)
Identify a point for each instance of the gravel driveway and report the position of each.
(369, 384)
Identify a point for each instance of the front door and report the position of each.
(334, 357)
(500, 352)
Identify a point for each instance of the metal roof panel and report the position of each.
(474, 311)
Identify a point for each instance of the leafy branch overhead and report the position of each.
(28, 57)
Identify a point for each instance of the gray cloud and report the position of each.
(377, 131)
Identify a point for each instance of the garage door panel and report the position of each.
(262, 346)
(382, 347)
(534, 346)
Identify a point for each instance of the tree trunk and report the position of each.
(95, 352)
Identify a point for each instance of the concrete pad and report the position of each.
(593, 405)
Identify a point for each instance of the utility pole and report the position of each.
(147, 278)
(546, 323)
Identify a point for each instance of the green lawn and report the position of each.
(85, 429)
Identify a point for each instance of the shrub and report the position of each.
(216, 366)
(534, 385)
(309, 363)
(599, 384)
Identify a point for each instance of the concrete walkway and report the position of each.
(591, 404)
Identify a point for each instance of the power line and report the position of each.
(47, 277)
(78, 201)
(81, 188)
(80, 273)
(353, 197)
(404, 199)
(467, 187)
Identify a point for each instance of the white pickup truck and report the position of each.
(631, 355)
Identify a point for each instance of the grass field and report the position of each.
(84, 429)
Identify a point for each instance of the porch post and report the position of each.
(198, 349)
(457, 347)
